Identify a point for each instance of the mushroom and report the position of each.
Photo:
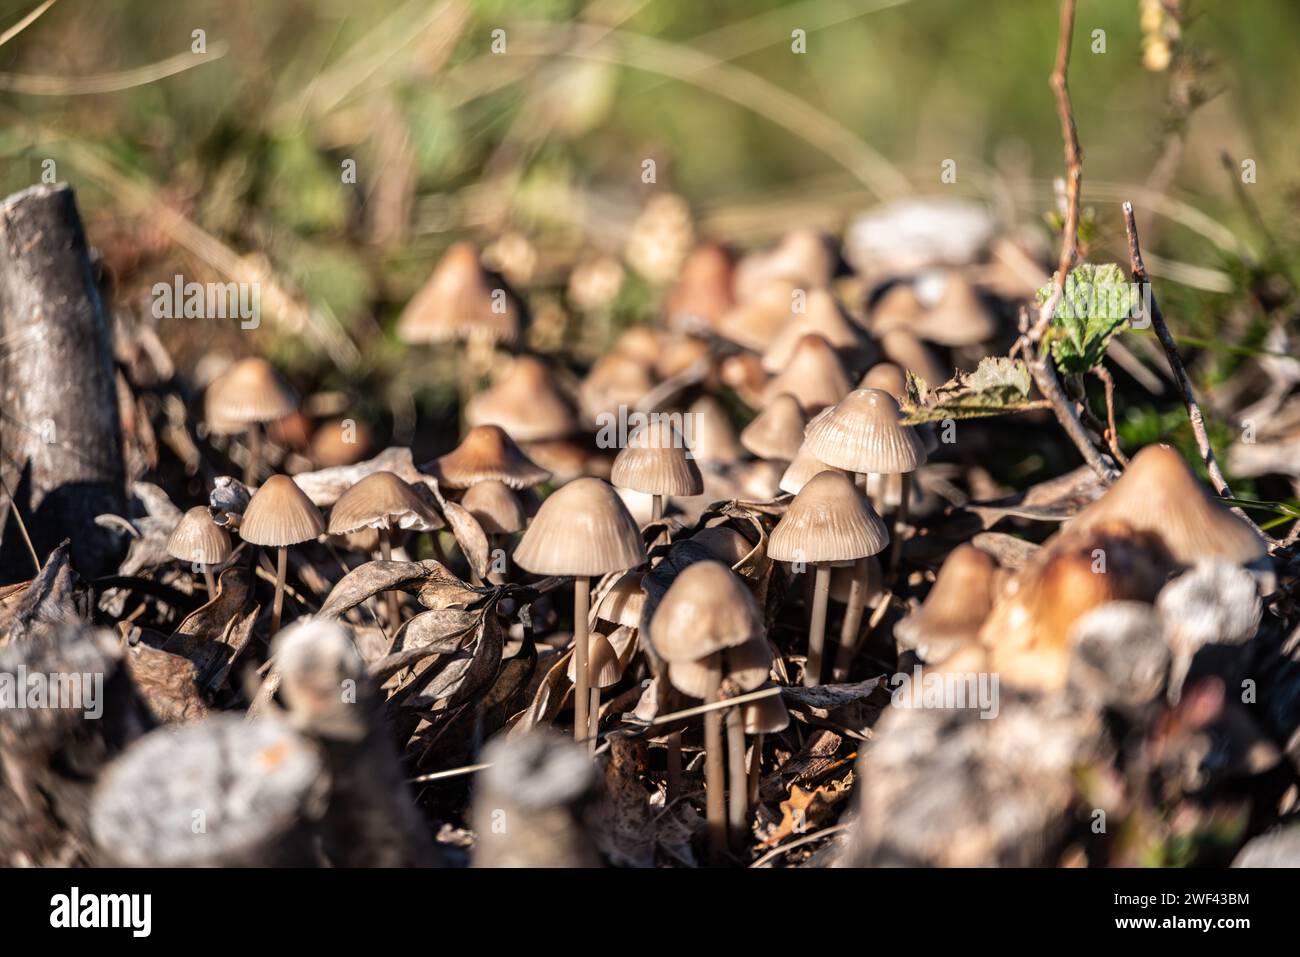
(862, 434)
(582, 529)
(959, 317)
(777, 431)
(657, 462)
(461, 301)
(497, 509)
(897, 308)
(814, 376)
(829, 521)
(244, 397)
(614, 381)
(386, 503)
(713, 440)
(801, 469)
(198, 539)
(762, 717)
(709, 630)
(682, 353)
(805, 257)
(487, 454)
(910, 353)
(754, 322)
(954, 610)
(527, 402)
(825, 317)
(702, 295)
(279, 515)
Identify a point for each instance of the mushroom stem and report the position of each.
(714, 774)
(812, 672)
(900, 519)
(581, 690)
(738, 789)
(755, 768)
(207, 580)
(656, 507)
(674, 762)
(853, 612)
(593, 719)
(281, 570)
(254, 460)
(390, 597)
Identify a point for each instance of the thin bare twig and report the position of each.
(1139, 270)
(1044, 373)
(1112, 434)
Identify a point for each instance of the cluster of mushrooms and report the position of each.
(762, 545)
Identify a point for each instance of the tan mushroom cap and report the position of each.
(527, 402)
(655, 462)
(759, 481)
(603, 666)
(766, 715)
(887, 377)
(713, 438)
(338, 443)
(280, 514)
(897, 308)
(702, 295)
(828, 521)
(802, 256)
(914, 356)
(862, 434)
(754, 322)
(959, 318)
(679, 354)
(497, 509)
(247, 392)
(822, 316)
(777, 431)
(614, 380)
(622, 604)
(381, 500)
(641, 343)
(196, 538)
(742, 668)
(955, 608)
(1158, 493)
(582, 529)
(566, 459)
(814, 376)
(460, 301)
(487, 454)
(801, 470)
(707, 608)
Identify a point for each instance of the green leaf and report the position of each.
(1096, 303)
(998, 386)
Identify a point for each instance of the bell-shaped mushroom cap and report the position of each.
(703, 291)
(641, 343)
(828, 521)
(614, 380)
(249, 391)
(565, 459)
(801, 470)
(381, 500)
(955, 608)
(622, 604)
(805, 257)
(461, 300)
(743, 373)
(723, 543)
(707, 608)
(339, 443)
(603, 667)
(777, 431)
(279, 514)
(862, 434)
(527, 402)
(887, 377)
(897, 308)
(497, 509)
(814, 376)
(710, 434)
(758, 481)
(740, 669)
(913, 355)
(196, 538)
(766, 715)
(582, 529)
(959, 317)
(487, 454)
(1158, 493)
(822, 316)
(754, 322)
(655, 462)
(679, 354)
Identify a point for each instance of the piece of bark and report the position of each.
(222, 792)
(60, 432)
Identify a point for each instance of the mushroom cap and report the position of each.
(655, 461)
(777, 431)
(1158, 493)
(955, 608)
(381, 500)
(460, 301)
(913, 355)
(679, 354)
(703, 291)
(330, 447)
(641, 342)
(614, 380)
(828, 521)
(758, 481)
(862, 434)
(487, 454)
(247, 392)
(713, 439)
(897, 308)
(279, 514)
(756, 320)
(566, 459)
(603, 666)
(959, 318)
(196, 538)
(527, 402)
(622, 604)
(814, 376)
(582, 529)
(803, 256)
(742, 668)
(495, 507)
(822, 316)
(802, 468)
(887, 377)
(766, 715)
(707, 608)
